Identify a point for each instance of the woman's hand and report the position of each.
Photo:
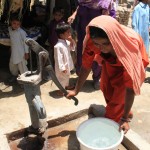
(71, 93)
(124, 125)
(71, 19)
(73, 16)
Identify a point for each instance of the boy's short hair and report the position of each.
(96, 32)
(61, 28)
(15, 18)
(58, 9)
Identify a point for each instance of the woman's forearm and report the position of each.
(75, 12)
(129, 99)
(73, 16)
(82, 78)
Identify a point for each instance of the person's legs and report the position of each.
(85, 15)
(102, 111)
(80, 36)
(68, 86)
(82, 23)
(96, 69)
(14, 71)
(13, 68)
(114, 111)
(22, 67)
(51, 56)
(63, 78)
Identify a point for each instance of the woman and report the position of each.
(123, 58)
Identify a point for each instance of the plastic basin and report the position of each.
(99, 134)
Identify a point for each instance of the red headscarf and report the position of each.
(128, 46)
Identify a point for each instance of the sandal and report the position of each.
(60, 93)
(71, 87)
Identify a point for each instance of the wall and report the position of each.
(123, 14)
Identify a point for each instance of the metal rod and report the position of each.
(31, 67)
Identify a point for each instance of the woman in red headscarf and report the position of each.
(123, 57)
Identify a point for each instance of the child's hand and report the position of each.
(70, 38)
(72, 42)
(26, 56)
(65, 71)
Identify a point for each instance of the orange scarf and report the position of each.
(128, 46)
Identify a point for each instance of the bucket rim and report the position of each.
(106, 148)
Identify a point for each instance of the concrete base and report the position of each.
(4, 142)
(61, 134)
(133, 141)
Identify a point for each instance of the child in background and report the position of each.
(62, 56)
(58, 14)
(140, 21)
(19, 50)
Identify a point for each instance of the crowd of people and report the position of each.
(117, 55)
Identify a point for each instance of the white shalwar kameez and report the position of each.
(63, 61)
(18, 50)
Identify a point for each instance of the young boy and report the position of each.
(19, 50)
(62, 56)
(58, 14)
(140, 21)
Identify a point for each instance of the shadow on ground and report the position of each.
(14, 89)
(54, 94)
(8, 89)
(148, 69)
(87, 87)
(73, 143)
(48, 143)
(31, 143)
(147, 80)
